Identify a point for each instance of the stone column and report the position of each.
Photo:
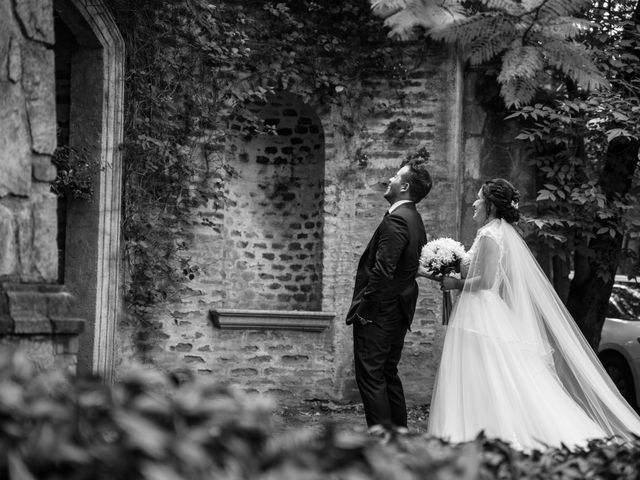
(33, 311)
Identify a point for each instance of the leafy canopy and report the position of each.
(533, 39)
(570, 140)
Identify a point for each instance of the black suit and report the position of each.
(385, 294)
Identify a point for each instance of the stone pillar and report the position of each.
(31, 307)
(489, 146)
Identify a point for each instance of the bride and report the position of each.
(514, 364)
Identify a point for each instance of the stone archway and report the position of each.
(95, 122)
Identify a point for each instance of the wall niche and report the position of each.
(273, 209)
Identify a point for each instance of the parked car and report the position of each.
(619, 348)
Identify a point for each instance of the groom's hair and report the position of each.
(418, 176)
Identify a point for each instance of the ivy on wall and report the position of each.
(190, 65)
(76, 173)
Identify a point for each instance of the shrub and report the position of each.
(149, 426)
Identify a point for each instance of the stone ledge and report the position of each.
(6, 324)
(271, 319)
(67, 326)
(32, 309)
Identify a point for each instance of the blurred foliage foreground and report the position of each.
(150, 427)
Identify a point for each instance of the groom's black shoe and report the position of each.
(387, 434)
(400, 430)
(377, 430)
(381, 432)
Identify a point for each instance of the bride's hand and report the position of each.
(423, 272)
(451, 283)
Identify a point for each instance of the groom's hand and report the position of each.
(363, 321)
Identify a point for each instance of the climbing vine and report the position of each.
(76, 173)
(193, 63)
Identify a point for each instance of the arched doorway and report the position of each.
(89, 54)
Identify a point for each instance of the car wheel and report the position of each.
(619, 372)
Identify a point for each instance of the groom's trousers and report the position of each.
(377, 350)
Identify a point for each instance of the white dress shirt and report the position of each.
(397, 204)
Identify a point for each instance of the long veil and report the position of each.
(543, 326)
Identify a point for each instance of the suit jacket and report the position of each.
(387, 269)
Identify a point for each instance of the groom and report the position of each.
(385, 295)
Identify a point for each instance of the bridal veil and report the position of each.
(543, 326)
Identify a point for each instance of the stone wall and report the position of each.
(489, 148)
(354, 159)
(35, 315)
(27, 141)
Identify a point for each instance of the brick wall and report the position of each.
(273, 209)
(354, 205)
(344, 205)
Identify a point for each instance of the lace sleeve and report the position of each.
(491, 232)
(484, 260)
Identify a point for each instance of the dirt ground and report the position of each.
(314, 414)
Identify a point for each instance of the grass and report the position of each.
(315, 413)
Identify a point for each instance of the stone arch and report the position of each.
(95, 122)
(274, 207)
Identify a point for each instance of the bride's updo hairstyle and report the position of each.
(504, 197)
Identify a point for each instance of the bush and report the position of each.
(148, 426)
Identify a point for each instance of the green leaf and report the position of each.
(518, 91)
(545, 195)
(565, 27)
(17, 468)
(142, 433)
(159, 471)
(614, 62)
(621, 117)
(520, 61)
(560, 8)
(617, 132)
(574, 60)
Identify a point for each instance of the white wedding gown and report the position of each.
(514, 364)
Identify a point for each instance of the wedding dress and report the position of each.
(514, 364)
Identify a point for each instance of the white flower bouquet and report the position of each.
(441, 257)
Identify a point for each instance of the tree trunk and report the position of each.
(589, 292)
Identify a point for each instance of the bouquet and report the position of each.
(442, 257)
